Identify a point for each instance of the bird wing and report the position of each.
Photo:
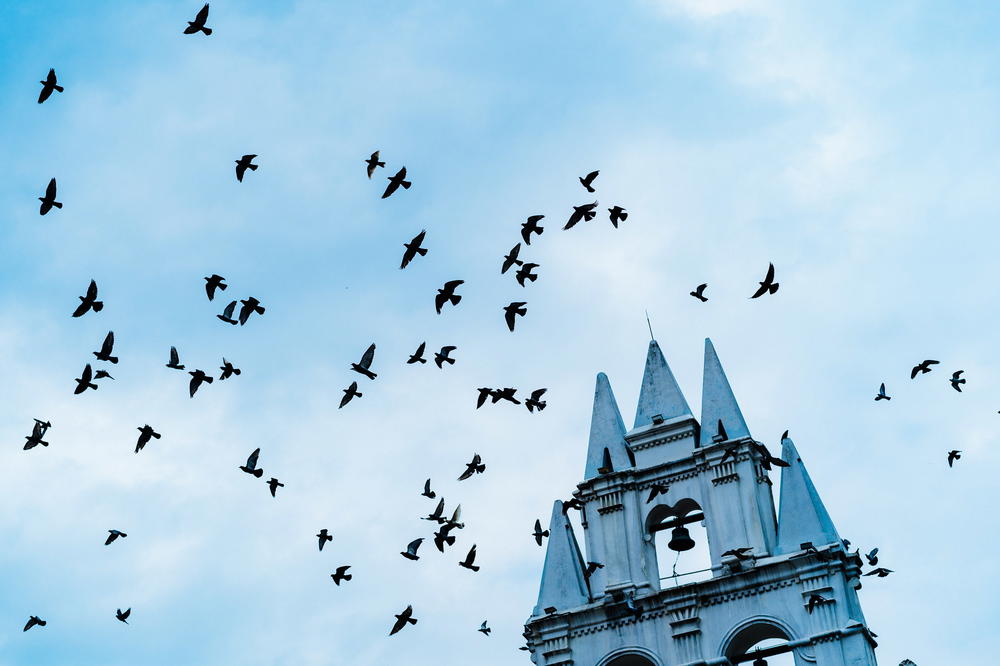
(92, 287)
(508, 316)
(87, 374)
(914, 371)
(368, 357)
(538, 393)
(174, 357)
(420, 349)
(109, 343)
(451, 285)
(881, 388)
(252, 459)
(126, 614)
(51, 78)
(228, 311)
(411, 547)
(447, 349)
(50, 189)
(769, 278)
(419, 238)
(202, 14)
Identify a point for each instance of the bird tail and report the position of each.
(545, 533)
(449, 540)
(57, 204)
(253, 167)
(455, 298)
(773, 288)
(98, 306)
(474, 567)
(421, 251)
(411, 620)
(258, 472)
(406, 184)
(58, 88)
(207, 31)
(451, 361)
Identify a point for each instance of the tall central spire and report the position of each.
(660, 394)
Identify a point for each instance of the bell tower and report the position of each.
(775, 584)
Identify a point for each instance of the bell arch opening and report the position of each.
(629, 659)
(680, 541)
(762, 643)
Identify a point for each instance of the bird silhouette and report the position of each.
(228, 370)
(341, 574)
(413, 249)
(442, 357)
(953, 456)
(881, 572)
(592, 568)
(250, 306)
(198, 24)
(506, 394)
(437, 516)
(49, 200)
(872, 557)
(766, 458)
(446, 294)
(618, 214)
(175, 360)
(741, 554)
(442, 538)
(699, 292)
(251, 466)
(113, 536)
(456, 517)
(411, 549)
(350, 393)
(227, 313)
(34, 621)
(474, 467)
(469, 560)
(510, 259)
(37, 433)
(214, 282)
(123, 615)
(923, 367)
(427, 490)
(588, 180)
(362, 366)
(146, 433)
(524, 273)
(539, 533)
(102, 374)
(373, 164)
(404, 618)
(534, 401)
(484, 395)
(243, 164)
(957, 380)
(85, 381)
(50, 84)
(198, 377)
(768, 286)
(89, 301)
(418, 355)
(323, 536)
(531, 227)
(515, 309)
(656, 490)
(395, 182)
(814, 600)
(881, 393)
(572, 503)
(107, 347)
(484, 629)
(583, 213)
(274, 484)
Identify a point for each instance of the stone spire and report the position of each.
(801, 514)
(660, 393)
(563, 583)
(607, 431)
(718, 402)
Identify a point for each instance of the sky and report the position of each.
(853, 145)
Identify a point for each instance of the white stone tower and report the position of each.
(790, 579)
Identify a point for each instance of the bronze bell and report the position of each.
(680, 539)
(759, 661)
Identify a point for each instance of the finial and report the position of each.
(651, 337)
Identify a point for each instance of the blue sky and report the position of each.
(853, 146)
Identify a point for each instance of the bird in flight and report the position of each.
(395, 182)
(957, 380)
(274, 484)
(228, 369)
(510, 259)
(34, 621)
(411, 549)
(89, 301)
(441, 537)
(524, 273)
(531, 227)
(699, 292)
(214, 282)
(469, 560)
(123, 615)
(484, 629)
(362, 366)
(588, 180)
(768, 286)
(102, 374)
(656, 490)
(37, 433)
(484, 394)
(350, 393)
(446, 294)
(534, 401)
(592, 568)
(581, 213)
(373, 164)
(513, 310)
(881, 572)
(113, 536)
(442, 357)
(250, 306)
(474, 467)
(341, 574)
(506, 394)
(85, 381)
(413, 249)
(146, 433)
(923, 367)
(618, 214)
(872, 557)
(766, 458)
(324, 536)
(881, 393)
(48, 85)
(198, 377)
(227, 313)
(428, 493)
(418, 356)
(437, 516)
(198, 24)
(404, 618)
(49, 200)
(175, 360)
(251, 466)
(953, 456)
(243, 164)
(107, 347)
(741, 554)
(539, 533)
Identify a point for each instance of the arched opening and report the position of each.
(631, 660)
(681, 543)
(761, 644)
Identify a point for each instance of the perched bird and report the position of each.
(34, 621)
(418, 356)
(539, 533)
(48, 85)
(350, 393)
(923, 367)
(814, 600)
(957, 380)
(881, 572)
(243, 164)
(872, 557)
(524, 273)
(37, 433)
(214, 282)
(198, 24)
(411, 549)
(198, 377)
(437, 516)
(113, 535)
(85, 381)
(531, 227)
(952, 456)
(49, 200)
(768, 286)
(513, 310)
(506, 394)
(373, 164)
(251, 466)
(89, 301)
(469, 560)
(588, 180)
(102, 374)
(362, 366)
(699, 292)
(572, 503)
(413, 249)
(731, 452)
(228, 370)
(324, 536)
(484, 629)
(510, 259)
(442, 538)
(274, 484)
(395, 182)
(227, 313)
(618, 214)
(250, 305)
(428, 493)
(341, 574)
(592, 568)
(404, 618)
(107, 347)
(484, 394)
(446, 294)
(474, 467)
(881, 393)
(534, 401)
(123, 615)
(584, 213)
(656, 490)
(442, 357)
(146, 433)
(175, 360)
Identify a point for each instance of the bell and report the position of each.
(680, 540)
(759, 661)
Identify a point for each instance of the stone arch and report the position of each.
(755, 629)
(695, 565)
(631, 656)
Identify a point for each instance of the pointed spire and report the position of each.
(563, 583)
(718, 404)
(607, 431)
(660, 393)
(802, 516)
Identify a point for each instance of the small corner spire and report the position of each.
(563, 583)
(607, 432)
(801, 514)
(718, 404)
